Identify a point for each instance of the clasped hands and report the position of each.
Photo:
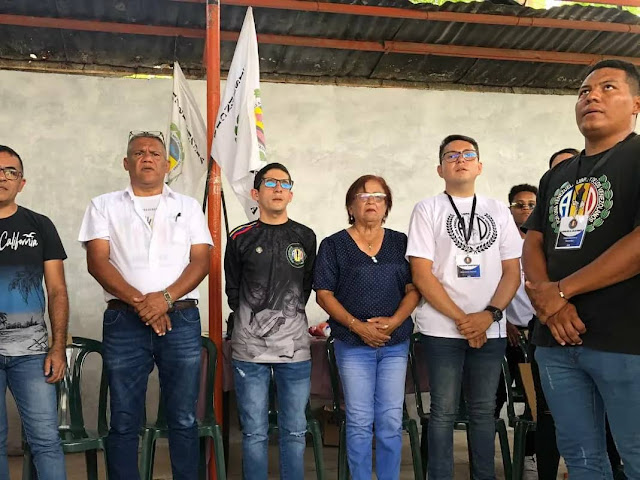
(556, 312)
(474, 326)
(152, 309)
(376, 331)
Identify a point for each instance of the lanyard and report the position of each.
(467, 235)
(578, 202)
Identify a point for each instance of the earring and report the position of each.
(352, 219)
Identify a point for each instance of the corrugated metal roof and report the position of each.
(128, 50)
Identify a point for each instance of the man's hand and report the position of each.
(55, 364)
(545, 298)
(370, 333)
(513, 334)
(566, 326)
(386, 325)
(152, 309)
(474, 324)
(478, 341)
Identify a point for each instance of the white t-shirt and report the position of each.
(520, 311)
(149, 206)
(149, 259)
(435, 233)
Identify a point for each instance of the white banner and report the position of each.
(187, 141)
(239, 142)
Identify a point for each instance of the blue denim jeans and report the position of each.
(452, 363)
(36, 401)
(373, 385)
(130, 349)
(293, 385)
(580, 384)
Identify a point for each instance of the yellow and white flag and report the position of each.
(239, 142)
(187, 139)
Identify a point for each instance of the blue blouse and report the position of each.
(365, 288)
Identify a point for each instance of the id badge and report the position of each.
(572, 232)
(468, 265)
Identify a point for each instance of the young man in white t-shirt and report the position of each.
(464, 252)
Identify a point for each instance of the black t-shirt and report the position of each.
(612, 202)
(268, 273)
(27, 240)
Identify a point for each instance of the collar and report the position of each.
(166, 191)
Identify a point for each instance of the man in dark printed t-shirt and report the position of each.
(581, 258)
(30, 249)
(268, 270)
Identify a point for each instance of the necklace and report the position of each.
(369, 244)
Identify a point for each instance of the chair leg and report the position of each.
(424, 446)
(219, 452)
(313, 427)
(343, 466)
(91, 458)
(202, 460)
(519, 441)
(147, 454)
(414, 439)
(468, 430)
(28, 468)
(501, 428)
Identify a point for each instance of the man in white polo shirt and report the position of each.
(464, 252)
(148, 247)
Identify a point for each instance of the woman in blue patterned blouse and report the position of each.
(363, 281)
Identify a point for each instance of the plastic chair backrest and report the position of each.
(511, 413)
(333, 374)
(413, 364)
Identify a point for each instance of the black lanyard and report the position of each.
(579, 200)
(467, 234)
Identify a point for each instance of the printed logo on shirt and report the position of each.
(16, 240)
(484, 235)
(597, 201)
(296, 255)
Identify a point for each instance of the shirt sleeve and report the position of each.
(232, 273)
(421, 241)
(537, 218)
(406, 268)
(309, 266)
(53, 249)
(510, 240)
(94, 224)
(325, 276)
(198, 229)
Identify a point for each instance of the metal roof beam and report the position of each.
(315, 42)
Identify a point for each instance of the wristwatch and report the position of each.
(495, 312)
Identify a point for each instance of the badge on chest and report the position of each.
(468, 265)
(571, 233)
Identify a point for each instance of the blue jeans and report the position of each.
(37, 404)
(373, 385)
(580, 384)
(130, 349)
(293, 385)
(452, 363)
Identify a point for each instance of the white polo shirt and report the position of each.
(149, 259)
(520, 311)
(435, 233)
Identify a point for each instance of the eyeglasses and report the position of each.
(377, 197)
(522, 205)
(467, 155)
(272, 182)
(143, 133)
(11, 173)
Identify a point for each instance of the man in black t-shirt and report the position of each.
(582, 261)
(268, 267)
(30, 249)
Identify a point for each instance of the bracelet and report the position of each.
(167, 298)
(560, 291)
(350, 324)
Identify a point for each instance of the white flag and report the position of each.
(187, 140)
(238, 142)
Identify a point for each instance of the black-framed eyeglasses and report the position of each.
(467, 155)
(523, 205)
(11, 173)
(272, 182)
(133, 134)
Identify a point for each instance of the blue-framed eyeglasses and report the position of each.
(272, 182)
(467, 155)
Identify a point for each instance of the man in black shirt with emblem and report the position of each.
(582, 261)
(30, 250)
(268, 270)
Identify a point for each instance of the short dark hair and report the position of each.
(633, 77)
(153, 135)
(452, 138)
(523, 187)
(257, 180)
(359, 185)
(572, 151)
(13, 153)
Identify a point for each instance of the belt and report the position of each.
(116, 304)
